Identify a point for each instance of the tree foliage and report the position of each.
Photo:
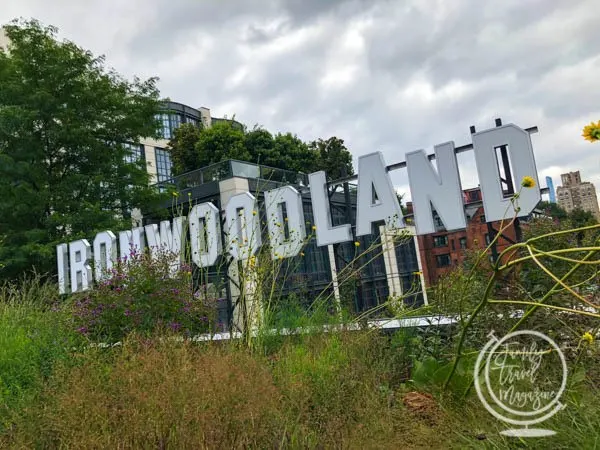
(64, 124)
(193, 148)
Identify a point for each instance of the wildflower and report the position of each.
(253, 213)
(588, 337)
(527, 182)
(175, 194)
(314, 228)
(356, 244)
(286, 219)
(591, 132)
(418, 273)
(301, 253)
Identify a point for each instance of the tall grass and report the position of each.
(34, 337)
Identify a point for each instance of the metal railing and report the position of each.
(232, 168)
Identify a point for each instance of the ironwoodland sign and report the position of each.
(431, 188)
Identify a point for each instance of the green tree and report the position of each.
(183, 149)
(220, 142)
(260, 145)
(580, 218)
(64, 123)
(294, 154)
(552, 210)
(334, 157)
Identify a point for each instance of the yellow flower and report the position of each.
(357, 244)
(175, 194)
(527, 182)
(286, 219)
(253, 213)
(314, 227)
(301, 253)
(591, 132)
(587, 336)
(418, 273)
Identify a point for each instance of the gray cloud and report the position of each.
(383, 75)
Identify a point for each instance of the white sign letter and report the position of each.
(291, 198)
(522, 160)
(105, 253)
(243, 226)
(205, 234)
(442, 188)
(62, 261)
(326, 233)
(376, 199)
(80, 254)
(131, 242)
(167, 240)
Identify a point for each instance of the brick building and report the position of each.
(443, 250)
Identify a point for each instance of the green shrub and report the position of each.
(140, 295)
(33, 339)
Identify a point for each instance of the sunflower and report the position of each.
(591, 132)
(527, 182)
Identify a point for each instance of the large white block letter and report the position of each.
(167, 240)
(243, 226)
(80, 254)
(522, 160)
(131, 242)
(205, 234)
(291, 198)
(326, 233)
(376, 199)
(442, 188)
(62, 261)
(105, 253)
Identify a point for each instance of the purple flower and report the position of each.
(82, 330)
(175, 326)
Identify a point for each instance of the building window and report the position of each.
(443, 260)
(488, 240)
(165, 127)
(463, 242)
(453, 245)
(175, 122)
(482, 218)
(135, 153)
(191, 120)
(473, 196)
(163, 164)
(440, 241)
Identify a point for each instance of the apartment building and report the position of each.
(155, 152)
(577, 194)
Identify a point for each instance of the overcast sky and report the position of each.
(393, 76)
